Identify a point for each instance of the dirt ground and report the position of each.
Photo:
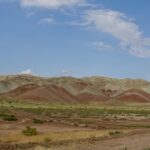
(10, 128)
(137, 141)
(77, 132)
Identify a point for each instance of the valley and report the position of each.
(74, 114)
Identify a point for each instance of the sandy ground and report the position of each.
(132, 142)
(8, 128)
(137, 141)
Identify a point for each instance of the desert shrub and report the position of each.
(92, 138)
(37, 121)
(9, 117)
(125, 148)
(47, 140)
(148, 148)
(30, 131)
(115, 133)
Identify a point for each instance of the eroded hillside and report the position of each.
(69, 89)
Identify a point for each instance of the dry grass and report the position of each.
(56, 136)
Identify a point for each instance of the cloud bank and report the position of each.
(51, 4)
(100, 45)
(113, 23)
(119, 26)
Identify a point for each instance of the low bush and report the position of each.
(124, 148)
(115, 133)
(9, 118)
(37, 121)
(148, 148)
(30, 131)
(47, 140)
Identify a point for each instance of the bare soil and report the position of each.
(137, 141)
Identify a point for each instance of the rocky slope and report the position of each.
(69, 89)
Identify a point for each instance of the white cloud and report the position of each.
(65, 72)
(51, 4)
(102, 46)
(30, 14)
(114, 23)
(27, 72)
(120, 27)
(49, 20)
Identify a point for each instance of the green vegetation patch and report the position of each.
(74, 110)
(5, 115)
(30, 131)
(147, 148)
(9, 117)
(115, 133)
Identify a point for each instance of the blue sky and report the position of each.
(75, 38)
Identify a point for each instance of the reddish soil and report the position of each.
(74, 90)
(55, 93)
(138, 96)
(52, 93)
(38, 93)
(87, 97)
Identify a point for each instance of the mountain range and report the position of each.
(74, 90)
